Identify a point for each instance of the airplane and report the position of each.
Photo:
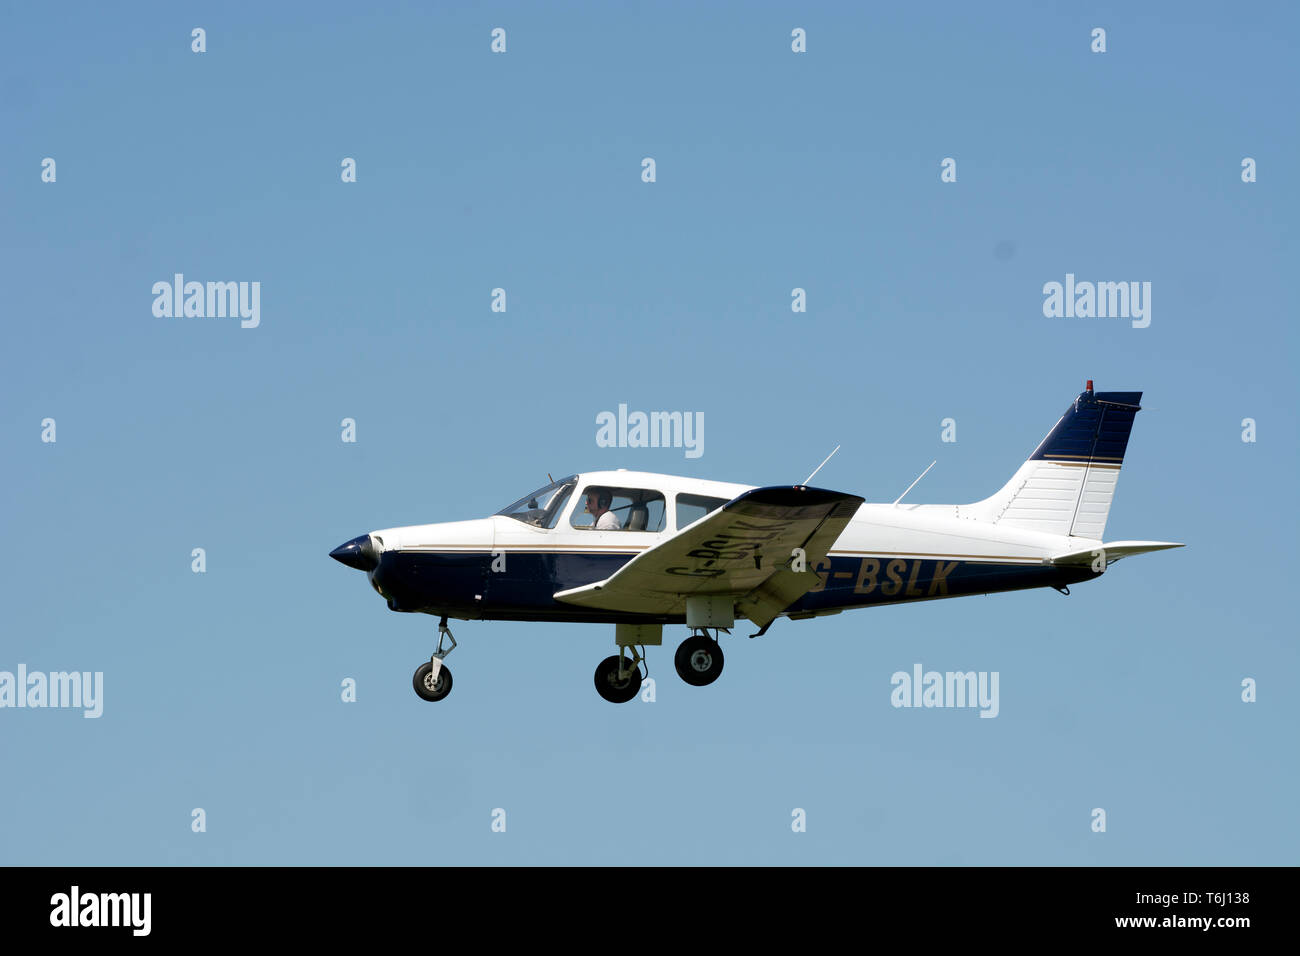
(641, 550)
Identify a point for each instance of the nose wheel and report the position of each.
(699, 660)
(432, 680)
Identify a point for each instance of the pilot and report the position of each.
(602, 519)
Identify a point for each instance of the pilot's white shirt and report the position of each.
(608, 522)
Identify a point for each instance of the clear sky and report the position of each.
(775, 170)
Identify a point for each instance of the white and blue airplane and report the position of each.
(641, 550)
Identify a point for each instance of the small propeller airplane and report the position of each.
(641, 550)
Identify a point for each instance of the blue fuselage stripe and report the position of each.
(522, 585)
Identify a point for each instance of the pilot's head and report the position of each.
(598, 501)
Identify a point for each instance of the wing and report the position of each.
(745, 549)
(1113, 550)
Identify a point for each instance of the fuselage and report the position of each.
(509, 566)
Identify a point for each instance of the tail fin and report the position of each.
(1067, 484)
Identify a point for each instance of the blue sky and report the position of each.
(522, 171)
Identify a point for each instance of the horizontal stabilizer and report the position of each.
(1111, 551)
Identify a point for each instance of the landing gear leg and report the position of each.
(432, 681)
(618, 678)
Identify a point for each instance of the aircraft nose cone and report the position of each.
(358, 553)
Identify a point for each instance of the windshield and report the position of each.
(542, 508)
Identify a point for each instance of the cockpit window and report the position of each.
(542, 508)
(619, 509)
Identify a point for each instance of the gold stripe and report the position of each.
(1080, 464)
(1087, 459)
(976, 558)
(509, 549)
(979, 558)
(578, 547)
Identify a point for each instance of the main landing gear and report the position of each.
(618, 678)
(432, 680)
(699, 658)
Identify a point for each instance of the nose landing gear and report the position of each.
(432, 680)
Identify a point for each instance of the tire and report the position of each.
(698, 660)
(427, 689)
(610, 687)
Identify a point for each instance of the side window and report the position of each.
(691, 508)
(619, 509)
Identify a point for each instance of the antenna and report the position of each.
(913, 484)
(819, 467)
